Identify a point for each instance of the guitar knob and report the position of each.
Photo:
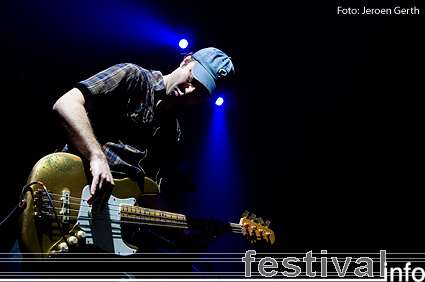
(63, 246)
(80, 234)
(72, 240)
(245, 214)
(267, 223)
(252, 217)
(260, 221)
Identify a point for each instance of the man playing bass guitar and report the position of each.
(122, 122)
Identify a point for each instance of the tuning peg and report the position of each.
(260, 221)
(267, 223)
(252, 217)
(245, 214)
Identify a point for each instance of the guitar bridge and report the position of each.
(65, 205)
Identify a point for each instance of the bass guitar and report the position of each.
(57, 218)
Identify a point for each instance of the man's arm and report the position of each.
(72, 109)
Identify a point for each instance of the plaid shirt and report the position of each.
(123, 119)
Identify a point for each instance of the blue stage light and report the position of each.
(183, 43)
(219, 101)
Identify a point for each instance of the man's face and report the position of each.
(184, 89)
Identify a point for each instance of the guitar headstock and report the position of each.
(256, 229)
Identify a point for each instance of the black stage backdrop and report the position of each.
(324, 114)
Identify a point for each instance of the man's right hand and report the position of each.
(71, 108)
(102, 184)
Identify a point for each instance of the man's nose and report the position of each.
(189, 89)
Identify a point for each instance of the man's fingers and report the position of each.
(90, 200)
(101, 189)
(102, 182)
(94, 184)
(93, 188)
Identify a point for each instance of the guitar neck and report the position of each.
(199, 224)
(151, 217)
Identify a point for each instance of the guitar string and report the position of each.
(142, 209)
(169, 222)
(233, 225)
(119, 206)
(119, 222)
(143, 221)
(140, 216)
(131, 213)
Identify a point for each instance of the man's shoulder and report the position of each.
(132, 67)
(136, 70)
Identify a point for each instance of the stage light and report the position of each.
(183, 43)
(219, 101)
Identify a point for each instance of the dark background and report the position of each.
(322, 120)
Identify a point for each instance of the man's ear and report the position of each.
(185, 61)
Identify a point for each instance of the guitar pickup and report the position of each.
(66, 193)
(92, 212)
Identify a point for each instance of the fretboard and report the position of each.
(151, 217)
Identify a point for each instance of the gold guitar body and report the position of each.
(62, 174)
(57, 217)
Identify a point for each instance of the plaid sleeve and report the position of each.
(106, 81)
